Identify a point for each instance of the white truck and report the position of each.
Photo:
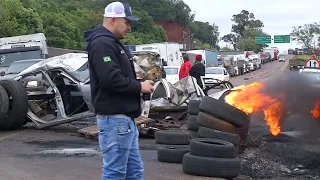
(32, 46)
(169, 52)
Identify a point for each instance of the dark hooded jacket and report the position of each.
(198, 70)
(114, 87)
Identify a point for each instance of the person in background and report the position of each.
(185, 67)
(116, 94)
(198, 70)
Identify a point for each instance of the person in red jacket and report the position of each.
(185, 67)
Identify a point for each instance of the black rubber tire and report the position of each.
(193, 107)
(214, 134)
(212, 148)
(193, 134)
(18, 108)
(193, 125)
(172, 137)
(224, 111)
(4, 105)
(172, 154)
(212, 122)
(211, 167)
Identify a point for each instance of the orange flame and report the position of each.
(273, 115)
(315, 112)
(250, 98)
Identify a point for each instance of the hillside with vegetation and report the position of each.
(65, 21)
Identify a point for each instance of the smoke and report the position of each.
(300, 96)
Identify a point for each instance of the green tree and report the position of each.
(18, 20)
(205, 32)
(244, 30)
(306, 34)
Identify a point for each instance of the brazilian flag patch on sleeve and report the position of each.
(107, 59)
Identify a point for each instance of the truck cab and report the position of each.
(32, 46)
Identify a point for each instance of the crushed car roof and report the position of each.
(70, 62)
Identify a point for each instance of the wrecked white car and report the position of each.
(57, 91)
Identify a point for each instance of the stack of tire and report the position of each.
(193, 125)
(219, 120)
(211, 158)
(13, 105)
(173, 145)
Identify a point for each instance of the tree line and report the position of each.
(64, 22)
(308, 35)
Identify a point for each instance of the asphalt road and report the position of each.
(58, 154)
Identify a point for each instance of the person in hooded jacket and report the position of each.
(185, 67)
(116, 94)
(198, 70)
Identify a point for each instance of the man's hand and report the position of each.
(147, 86)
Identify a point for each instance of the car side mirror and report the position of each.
(2, 73)
(225, 73)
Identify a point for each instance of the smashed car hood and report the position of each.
(70, 62)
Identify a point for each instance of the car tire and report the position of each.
(224, 111)
(212, 122)
(172, 154)
(204, 132)
(212, 148)
(211, 167)
(18, 107)
(4, 106)
(172, 137)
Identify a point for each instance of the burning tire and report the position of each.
(212, 148)
(224, 111)
(172, 154)
(172, 137)
(204, 132)
(18, 105)
(212, 122)
(211, 167)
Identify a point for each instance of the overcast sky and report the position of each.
(278, 16)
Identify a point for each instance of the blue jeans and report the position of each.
(118, 141)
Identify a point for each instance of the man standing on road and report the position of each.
(198, 70)
(116, 94)
(185, 67)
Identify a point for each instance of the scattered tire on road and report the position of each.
(172, 153)
(18, 105)
(172, 137)
(211, 167)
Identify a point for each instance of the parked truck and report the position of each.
(169, 52)
(210, 58)
(32, 46)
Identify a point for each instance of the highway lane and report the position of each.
(57, 153)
